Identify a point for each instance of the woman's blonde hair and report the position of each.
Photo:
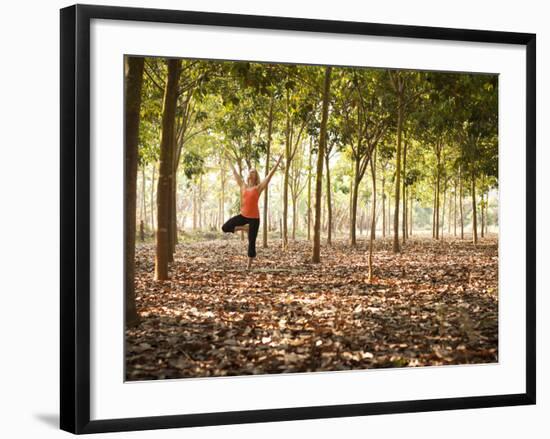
(257, 180)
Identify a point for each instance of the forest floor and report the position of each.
(436, 303)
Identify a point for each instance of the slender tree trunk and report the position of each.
(221, 214)
(482, 215)
(355, 196)
(144, 215)
(194, 207)
(449, 215)
(285, 207)
(294, 217)
(309, 190)
(166, 169)
(487, 214)
(404, 220)
(351, 180)
(373, 216)
(383, 206)
(267, 158)
(411, 214)
(316, 253)
(153, 198)
(434, 210)
(437, 196)
(328, 201)
(443, 212)
(454, 209)
(173, 218)
(134, 84)
(396, 248)
(174, 204)
(141, 230)
(373, 220)
(323, 214)
(389, 212)
(461, 207)
(200, 203)
(474, 210)
(288, 146)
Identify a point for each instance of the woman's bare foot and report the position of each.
(249, 264)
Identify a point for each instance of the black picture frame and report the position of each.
(75, 217)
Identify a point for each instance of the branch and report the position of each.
(147, 67)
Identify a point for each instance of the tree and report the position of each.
(299, 111)
(134, 83)
(309, 169)
(373, 215)
(398, 81)
(267, 158)
(479, 133)
(166, 170)
(362, 108)
(316, 257)
(297, 185)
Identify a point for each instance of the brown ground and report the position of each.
(435, 304)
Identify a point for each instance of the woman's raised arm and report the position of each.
(236, 175)
(265, 182)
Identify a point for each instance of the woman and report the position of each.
(249, 218)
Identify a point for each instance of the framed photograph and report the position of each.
(276, 218)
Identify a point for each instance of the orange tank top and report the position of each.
(249, 202)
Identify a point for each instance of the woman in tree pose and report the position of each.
(249, 218)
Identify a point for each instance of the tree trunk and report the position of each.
(316, 256)
(166, 169)
(437, 195)
(194, 190)
(350, 199)
(309, 190)
(373, 215)
(373, 221)
(433, 211)
(389, 212)
(173, 217)
(143, 198)
(404, 220)
(267, 158)
(449, 215)
(141, 230)
(329, 202)
(487, 214)
(134, 83)
(323, 214)
(288, 151)
(461, 197)
(355, 195)
(482, 215)
(410, 222)
(383, 206)
(443, 212)
(153, 198)
(454, 208)
(294, 202)
(396, 248)
(221, 213)
(285, 206)
(174, 204)
(200, 203)
(474, 211)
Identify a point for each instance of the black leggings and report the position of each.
(253, 226)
